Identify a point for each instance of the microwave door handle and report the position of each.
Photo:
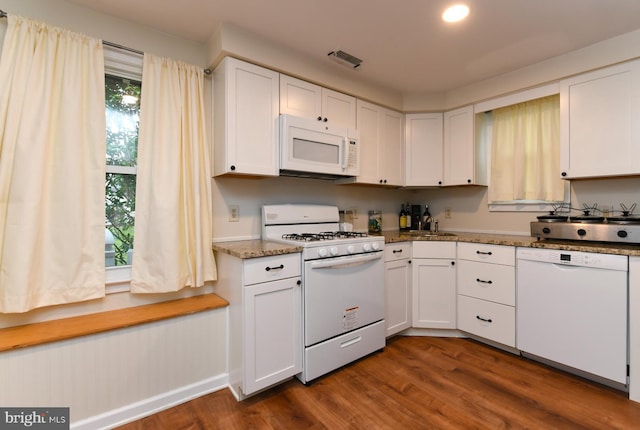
(345, 152)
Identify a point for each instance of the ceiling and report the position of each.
(404, 44)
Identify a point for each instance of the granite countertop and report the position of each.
(524, 241)
(255, 248)
(263, 248)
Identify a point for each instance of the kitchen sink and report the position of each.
(426, 233)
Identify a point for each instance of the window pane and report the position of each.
(120, 216)
(123, 116)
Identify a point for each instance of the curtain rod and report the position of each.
(3, 14)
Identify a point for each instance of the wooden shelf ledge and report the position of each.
(67, 328)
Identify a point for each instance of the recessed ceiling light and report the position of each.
(455, 13)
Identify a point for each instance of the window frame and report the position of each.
(127, 64)
(508, 100)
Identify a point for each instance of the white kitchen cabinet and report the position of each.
(307, 100)
(487, 291)
(464, 163)
(433, 274)
(265, 319)
(423, 149)
(246, 110)
(397, 287)
(381, 146)
(600, 123)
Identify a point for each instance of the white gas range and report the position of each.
(342, 285)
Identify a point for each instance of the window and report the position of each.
(523, 132)
(123, 77)
(123, 116)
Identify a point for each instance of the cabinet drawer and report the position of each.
(265, 269)
(498, 254)
(397, 251)
(429, 249)
(342, 350)
(492, 282)
(487, 319)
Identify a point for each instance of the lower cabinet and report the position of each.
(434, 284)
(397, 287)
(265, 319)
(487, 292)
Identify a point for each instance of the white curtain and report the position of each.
(525, 152)
(52, 167)
(172, 246)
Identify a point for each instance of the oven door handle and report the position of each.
(346, 262)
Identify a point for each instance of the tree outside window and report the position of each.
(123, 116)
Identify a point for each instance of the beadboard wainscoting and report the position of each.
(114, 377)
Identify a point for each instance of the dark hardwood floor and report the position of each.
(417, 383)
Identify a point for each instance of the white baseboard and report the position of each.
(152, 405)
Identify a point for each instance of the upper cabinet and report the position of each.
(600, 123)
(246, 110)
(423, 149)
(307, 100)
(381, 145)
(462, 165)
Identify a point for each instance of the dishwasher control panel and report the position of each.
(574, 258)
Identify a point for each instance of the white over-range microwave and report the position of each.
(317, 149)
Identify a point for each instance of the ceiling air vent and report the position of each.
(345, 59)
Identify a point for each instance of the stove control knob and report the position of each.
(622, 233)
(322, 252)
(366, 247)
(582, 232)
(375, 246)
(334, 251)
(351, 249)
(546, 230)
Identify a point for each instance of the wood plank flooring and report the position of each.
(417, 383)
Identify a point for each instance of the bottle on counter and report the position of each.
(407, 216)
(427, 219)
(402, 219)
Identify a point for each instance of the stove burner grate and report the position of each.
(326, 235)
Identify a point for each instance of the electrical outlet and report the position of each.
(447, 213)
(234, 213)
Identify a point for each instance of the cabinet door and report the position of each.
(246, 131)
(300, 98)
(599, 126)
(459, 152)
(423, 149)
(339, 108)
(369, 125)
(391, 160)
(273, 333)
(434, 293)
(397, 285)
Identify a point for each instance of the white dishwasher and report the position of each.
(571, 309)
